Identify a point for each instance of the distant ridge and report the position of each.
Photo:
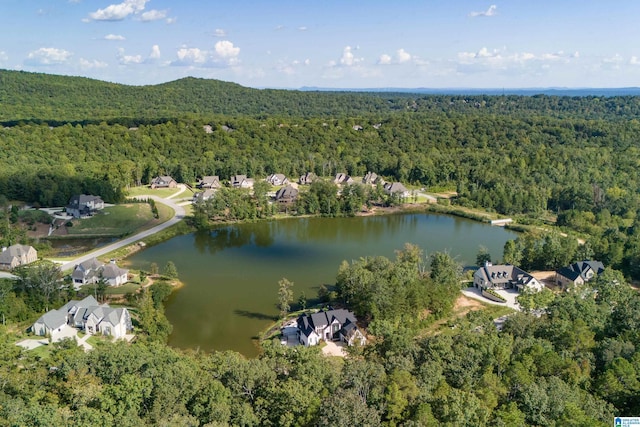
(550, 91)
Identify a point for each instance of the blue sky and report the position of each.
(329, 43)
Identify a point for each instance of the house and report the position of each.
(287, 194)
(91, 271)
(397, 188)
(212, 182)
(114, 275)
(342, 178)
(163, 182)
(277, 179)
(17, 255)
(372, 178)
(241, 181)
(84, 205)
(203, 196)
(504, 277)
(578, 273)
(307, 178)
(86, 315)
(331, 325)
(50, 323)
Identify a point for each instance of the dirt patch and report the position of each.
(464, 305)
(547, 278)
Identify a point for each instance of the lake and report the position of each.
(231, 273)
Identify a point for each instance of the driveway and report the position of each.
(67, 332)
(509, 294)
(178, 214)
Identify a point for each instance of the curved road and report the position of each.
(178, 215)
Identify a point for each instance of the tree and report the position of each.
(285, 296)
(483, 256)
(302, 301)
(153, 269)
(170, 271)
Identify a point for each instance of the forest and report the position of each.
(571, 162)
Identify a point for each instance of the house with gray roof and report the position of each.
(17, 255)
(241, 181)
(308, 178)
(163, 182)
(203, 196)
(84, 205)
(92, 270)
(578, 273)
(87, 315)
(277, 179)
(287, 194)
(209, 182)
(331, 325)
(372, 178)
(50, 323)
(505, 276)
(397, 188)
(342, 179)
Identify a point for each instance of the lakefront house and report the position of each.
(330, 325)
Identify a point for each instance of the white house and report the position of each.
(17, 255)
(91, 271)
(241, 181)
(397, 188)
(504, 277)
(277, 179)
(331, 325)
(83, 205)
(50, 323)
(87, 315)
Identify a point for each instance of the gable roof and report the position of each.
(395, 187)
(287, 193)
(307, 323)
(111, 271)
(53, 319)
(581, 269)
(14, 251)
(83, 200)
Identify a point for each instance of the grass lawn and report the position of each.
(114, 221)
(112, 290)
(43, 351)
(146, 191)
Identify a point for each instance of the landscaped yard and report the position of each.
(117, 220)
(146, 191)
(112, 290)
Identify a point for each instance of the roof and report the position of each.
(53, 319)
(503, 273)
(581, 269)
(111, 271)
(395, 187)
(307, 323)
(83, 200)
(208, 180)
(287, 193)
(14, 251)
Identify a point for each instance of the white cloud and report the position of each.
(87, 64)
(489, 12)
(401, 57)
(384, 59)
(3, 55)
(219, 32)
(279, 27)
(117, 12)
(348, 59)
(114, 37)
(48, 56)
(153, 15)
(128, 59)
(155, 52)
(633, 61)
(226, 51)
(505, 61)
(303, 28)
(292, 67)
(191, 55)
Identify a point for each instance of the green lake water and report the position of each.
(231, 273)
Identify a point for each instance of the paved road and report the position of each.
(179, 214)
